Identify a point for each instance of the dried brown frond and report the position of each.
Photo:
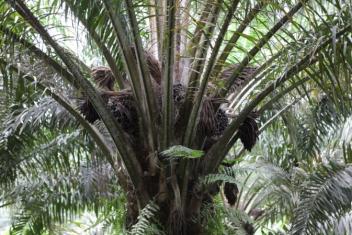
(154, 67)
(241, 79)
(207, 123)
(103, 77)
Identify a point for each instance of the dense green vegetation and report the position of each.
(208, 117)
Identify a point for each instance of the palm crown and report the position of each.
(182, 81)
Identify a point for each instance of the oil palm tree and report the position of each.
(163, 127)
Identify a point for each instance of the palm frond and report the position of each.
(327, 194)
(113, 127)
(182, 152)
(87, 186)
(145, 223)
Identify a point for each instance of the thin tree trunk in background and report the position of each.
(160, 16)
(189, 50)
(153, 27)
(178, 41)
(182, 18)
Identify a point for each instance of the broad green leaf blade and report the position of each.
(179, 151)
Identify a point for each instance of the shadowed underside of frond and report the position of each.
(231, 191)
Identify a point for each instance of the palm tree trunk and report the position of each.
(175, 218)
